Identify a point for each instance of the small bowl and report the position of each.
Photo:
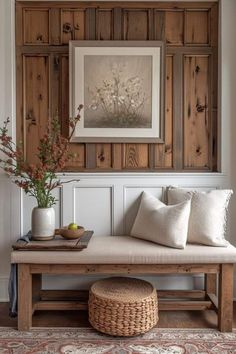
(71, 234)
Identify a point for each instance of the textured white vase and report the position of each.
(43, 223)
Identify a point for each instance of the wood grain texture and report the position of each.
(124, 268)
(196, 112)
(175, 23)
(55, 26)
(174, 27)
(72, 25)
(164, 157)
(36, 102)
(211, 283)
(135, 156)
(197, 27)
(36, 26)
(136, 25)
(104, 24)
(226, 298)
(103, 156)
(24, 297)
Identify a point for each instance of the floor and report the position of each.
(168, 319)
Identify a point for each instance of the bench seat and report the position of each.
(129, 250)
(128, 256)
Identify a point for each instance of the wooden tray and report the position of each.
(57, 244)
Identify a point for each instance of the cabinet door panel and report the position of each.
(36, 26)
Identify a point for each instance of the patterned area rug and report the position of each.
(88, 341)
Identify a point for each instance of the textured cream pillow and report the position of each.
(207, 222)
(159, 223)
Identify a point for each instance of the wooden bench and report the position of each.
(123, 255)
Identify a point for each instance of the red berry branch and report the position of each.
(38, 180)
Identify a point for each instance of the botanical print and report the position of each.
(117, 91)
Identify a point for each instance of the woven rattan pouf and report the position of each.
(123, 306)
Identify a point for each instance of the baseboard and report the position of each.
(4, 289)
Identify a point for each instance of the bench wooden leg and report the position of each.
(211, 283)
(24, 297)
(225, 314)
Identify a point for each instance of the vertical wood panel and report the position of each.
(159, 25)
(178, 111)
(36, 26)
(55, 98)
(104, 24)
(197, 27)
(117, 149)
(196, 112)
(103, 155)
(78, 21)
(135, 156)
(72, 25)
(90, 152)
(164, 151)
(67, 23)
(174, 29)
(55, 25)
(136, 25)
(36, 102)
(40, 26)
(104, 31)
(76, 150)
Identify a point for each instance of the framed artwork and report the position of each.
(120, 84)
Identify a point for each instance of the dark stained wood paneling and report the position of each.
(196, 112)
(36, 102)
(36, 26)
(197, 27)
(190, 30)
(174, 27)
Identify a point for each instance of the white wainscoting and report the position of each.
(107, 203)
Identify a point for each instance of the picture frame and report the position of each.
(121, 85)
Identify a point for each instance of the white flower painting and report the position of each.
(117, 91)
(120, 84)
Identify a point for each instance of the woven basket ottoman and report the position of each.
(122, 306)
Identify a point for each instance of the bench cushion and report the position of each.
(128, 250)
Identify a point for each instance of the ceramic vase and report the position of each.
(43, 223)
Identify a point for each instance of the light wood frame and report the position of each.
(31, 297)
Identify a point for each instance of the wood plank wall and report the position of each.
(190, 31)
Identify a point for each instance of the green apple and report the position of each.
(73, 226)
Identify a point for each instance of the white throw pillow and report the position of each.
(207, 222)
(159, 223)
